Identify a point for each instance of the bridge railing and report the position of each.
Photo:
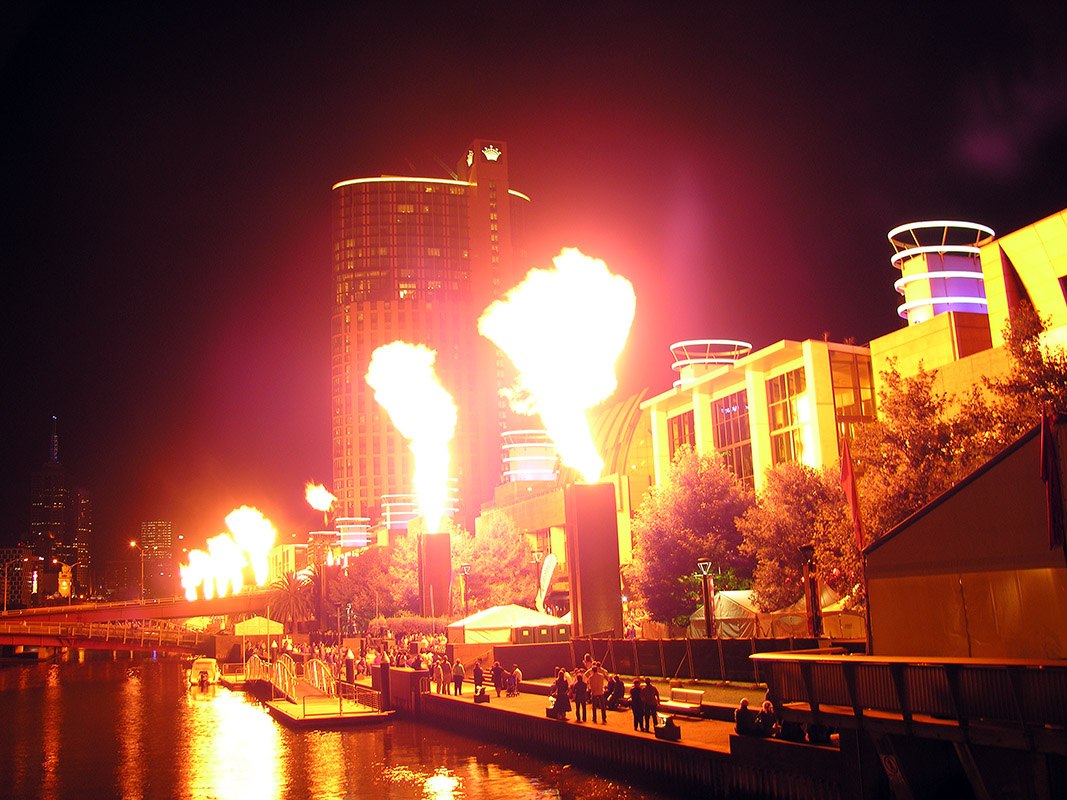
(142, 635)
(319, 674)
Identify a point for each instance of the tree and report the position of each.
(292, 599)
(691, 516)
(365, 586)
(798, 506)
(922, 443)
(501, 564)
(403, 573)
(1036, 378)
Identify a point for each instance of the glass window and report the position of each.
(784, 393)
(733, 436)
(681, 431)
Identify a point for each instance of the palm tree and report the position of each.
(292, 598)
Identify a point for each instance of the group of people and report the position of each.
(448, 677)
(766, 723)
(590, 685)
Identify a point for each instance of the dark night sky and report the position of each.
(166, 178)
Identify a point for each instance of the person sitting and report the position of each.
(766, 720)
(745, 719)
(616, 693)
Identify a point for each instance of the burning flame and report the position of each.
(405, 384)
(319, 497)
(564, 329)
(220, 571)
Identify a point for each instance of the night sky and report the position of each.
(166, 177)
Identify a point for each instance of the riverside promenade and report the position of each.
(709, 759)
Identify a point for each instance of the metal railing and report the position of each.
(141, 634)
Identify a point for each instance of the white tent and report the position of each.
(258, 626)
(496, 624)
(735, 616)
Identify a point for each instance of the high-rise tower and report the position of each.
(419, 259)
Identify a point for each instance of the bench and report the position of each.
(684, 701)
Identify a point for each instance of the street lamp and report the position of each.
(466, 571)
(133, 544)
(8, 564)
(70, 569)
(704, 565)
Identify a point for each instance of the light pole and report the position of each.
(466, 571)
(70, 569)
(704, 565)
(8, 564)
(133, 544)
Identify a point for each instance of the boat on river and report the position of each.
(204, 672)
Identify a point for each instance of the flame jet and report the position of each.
(564, 329)
(254, 534)
(406, 386)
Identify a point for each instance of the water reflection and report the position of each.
(133, 728)
(131, 722)
(232, 748)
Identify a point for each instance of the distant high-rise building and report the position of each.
(60, 517)
(419, 259)
(157, 550)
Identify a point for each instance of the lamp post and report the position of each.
(8, 564)
(811, 588)
(704, 565)
(133, 544)
(70, 569)
(466, 571)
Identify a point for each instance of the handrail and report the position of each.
(95, 631)
(1025, 695)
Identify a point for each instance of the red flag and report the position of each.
(1050, 474)
(848, 484)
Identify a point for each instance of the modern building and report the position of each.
(157, 551)
(419, 259)
(61, 521)
(791, 401)
(965, 343)
(21, 571)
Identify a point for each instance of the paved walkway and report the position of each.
(696, 732)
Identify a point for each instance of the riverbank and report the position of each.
(708, 759)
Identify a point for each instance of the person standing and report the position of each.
(650, 704)
(636, 706)
(446, 670)
(479, 676)
(438, 677)
(561, 692)
(458, 673)
(498, 677)
(597, 688)
(580, 695)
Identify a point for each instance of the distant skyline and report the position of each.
(167, 171)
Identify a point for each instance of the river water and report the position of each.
(103, 725)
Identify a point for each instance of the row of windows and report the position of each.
(787, 414)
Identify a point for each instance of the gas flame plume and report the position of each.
(220, 570)
(406, 386)
(319, 497)
(564, 329)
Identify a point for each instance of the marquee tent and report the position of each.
(258, 626)
(735, 617)
(496, 624)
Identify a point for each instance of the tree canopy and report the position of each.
(800, 506)
(691, 516)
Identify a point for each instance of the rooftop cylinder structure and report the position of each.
(940, 268)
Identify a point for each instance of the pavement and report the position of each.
(708, 734)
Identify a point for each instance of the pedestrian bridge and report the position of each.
(157, 608)
(45, 636)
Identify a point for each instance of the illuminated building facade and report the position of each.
(965, 343)
(419, 259)
(61, 520)
(789, 402)
(157, 549)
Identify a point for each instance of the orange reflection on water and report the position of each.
(234, 748)
(131, 775)
(325, 776)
